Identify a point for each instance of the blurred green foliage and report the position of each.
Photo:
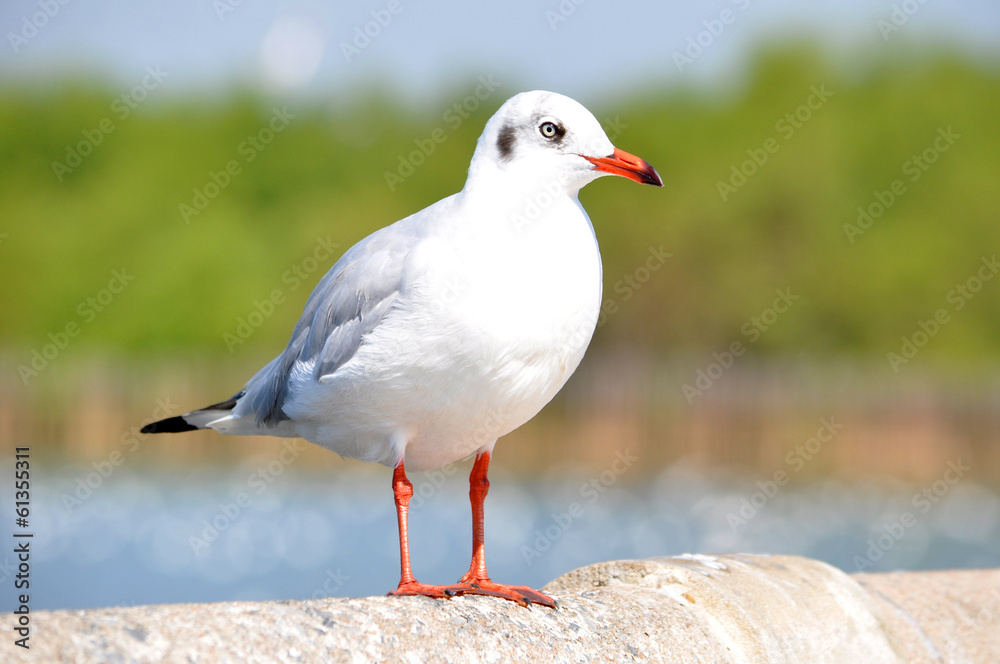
(324, 176)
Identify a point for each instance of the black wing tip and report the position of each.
(178, 424)
(169, 425)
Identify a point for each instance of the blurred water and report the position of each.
(135, 538)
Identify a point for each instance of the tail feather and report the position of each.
(196, 419)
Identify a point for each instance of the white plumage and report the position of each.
(461, 321)
(433, 337)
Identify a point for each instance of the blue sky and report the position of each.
(585, 48)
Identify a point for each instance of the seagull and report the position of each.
(435, 336)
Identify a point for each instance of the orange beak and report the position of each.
(626, 165)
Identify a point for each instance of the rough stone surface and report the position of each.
(727, 609)
(940, 616)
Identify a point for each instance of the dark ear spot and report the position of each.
(505, 142)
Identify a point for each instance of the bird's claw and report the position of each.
(523, 595)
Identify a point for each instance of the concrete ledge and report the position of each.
(732, 608)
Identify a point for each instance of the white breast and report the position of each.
(490, 327)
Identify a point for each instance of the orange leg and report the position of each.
(476, 581)
(479, 486)
(477, 578)
(403, 490)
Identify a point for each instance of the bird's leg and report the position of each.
(479, 486)
(402, 489)
(477, 579)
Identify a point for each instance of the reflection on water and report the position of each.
(205, 536)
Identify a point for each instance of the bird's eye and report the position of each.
(549, 130)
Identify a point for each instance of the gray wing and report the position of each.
(349, 301)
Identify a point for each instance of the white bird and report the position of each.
(435, 336)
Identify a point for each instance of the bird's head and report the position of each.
(544, 137)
